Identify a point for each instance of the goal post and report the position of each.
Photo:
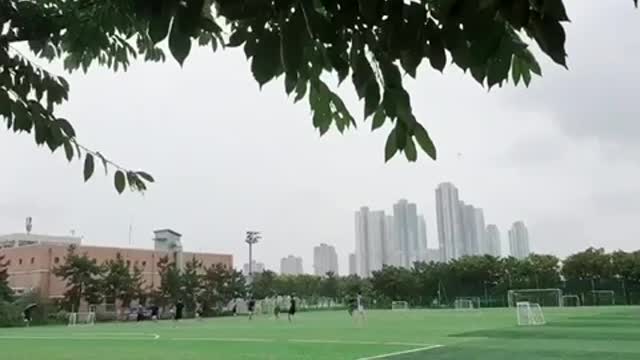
(603, 297)
(529, 314)
(464, 304)
(467, 303)
(399, 305)
(570, 300)
(541, 297)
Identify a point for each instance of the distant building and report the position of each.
(31, 265)
(353, 268)
(519, 240)
(370, 240)
(449, 218)
(325, 259)
(405, 221)
(256, 268)
(493, 245)
(392, 252)
(291, 265)
(22, 239)
(422, 239)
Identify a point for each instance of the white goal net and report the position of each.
(82, 318)
(603, 297)
(463, 304)
(542, 297)
(399, 305)
(570, 300)
(529, 314)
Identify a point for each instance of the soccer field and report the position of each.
(491, 334)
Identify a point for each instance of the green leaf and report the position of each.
(146, 176)
(119, 181)
(290, 82)
(68, 150)
(372, 98)
(391, 147)
(301, 89)
(550, 36)
(516, 72)
(378, 119)
(66, 127)
(410, 151)
(526, 76)
(424, 140)
(555, 9)
(179, 42)
(266, 62)
(160, 21)
(238, 38)
(89, 166)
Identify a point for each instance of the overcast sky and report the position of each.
(563, 155)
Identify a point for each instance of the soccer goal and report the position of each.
(542, 297)
(463, 304)
(570, 300)
(399, 305)
(467, 303)
(82, 318)
(603, 297)
(529, 314)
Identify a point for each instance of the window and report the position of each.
(128, 262)
(94, 260)
(56, 260)
(19, 261)
(33, 260)
(144, 263)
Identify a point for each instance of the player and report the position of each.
(251, 306)
(179, 308)
(352, 305)
(292, 307)
(360, 307)
(27, 312)
(140, 314)
(155, 313)
(276, 308)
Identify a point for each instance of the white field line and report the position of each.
(382, 356)
(224, 339)
(322, 341)
(82, 338)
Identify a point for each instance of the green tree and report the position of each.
(120, 282)
(83, 277)
(329, 286)
(303, 42)
(220, 285)
(170, 282)
(6, 294)
(191, 283)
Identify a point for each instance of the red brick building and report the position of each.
(31, 266)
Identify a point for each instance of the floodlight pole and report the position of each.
(252, 238)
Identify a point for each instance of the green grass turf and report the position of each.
(491, 334)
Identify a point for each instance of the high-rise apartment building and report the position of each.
(422, 239)
(493, 246)
(291, 265)
(449, 218)
(325, 259)
(405, 219)
(519, 240)
(372, 242)
(392, 254)
(353, 268)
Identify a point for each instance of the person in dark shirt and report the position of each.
(251, 306)
(155, 313)
(140, 314)
(292, 307)
(179, 310)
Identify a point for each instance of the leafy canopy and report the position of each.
(372, 42)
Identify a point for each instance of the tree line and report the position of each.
(424, 285)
